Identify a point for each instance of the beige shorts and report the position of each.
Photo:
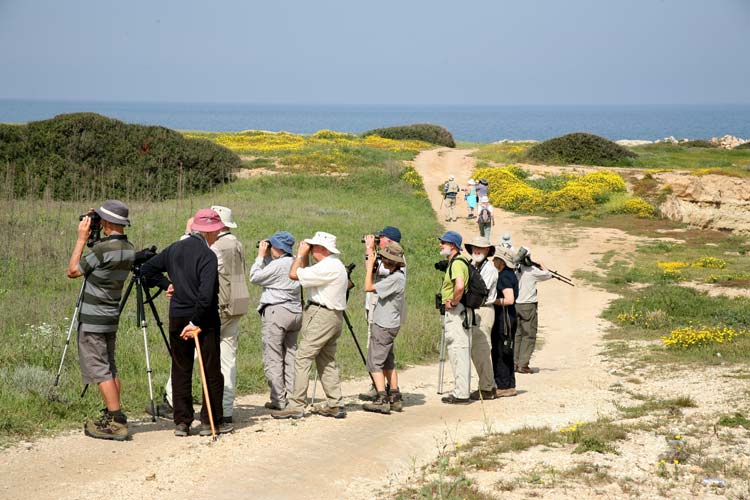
(96, 355)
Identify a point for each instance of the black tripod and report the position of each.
(349, 270)
(141, 291)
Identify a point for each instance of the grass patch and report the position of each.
(734, 162)
(38, 300)
(736, 420)
(673, 405)
(503, 153)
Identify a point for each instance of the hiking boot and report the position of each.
(275, 405)
(524, 369)
(106, 428)
(381, 405)
(397, 401)
(163, 410)
(220, 429)
(288, 412)
(226, 420)
(372, 393)
(505, 393)
(182, 430)
(453, 400)
(483, 395)
(328, 411)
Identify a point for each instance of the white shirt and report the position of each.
(489, 275)
(325, 283)
(528, 276)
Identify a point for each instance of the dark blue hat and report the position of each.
(452, 237)
(283, 241)
(392, 233)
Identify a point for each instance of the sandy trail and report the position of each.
(319, 458)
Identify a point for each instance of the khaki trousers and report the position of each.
(450, 205)
(526, 315)
(481, 347)
(457, 344)
(321, 329)
(279, 331)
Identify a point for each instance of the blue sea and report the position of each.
(467, 123)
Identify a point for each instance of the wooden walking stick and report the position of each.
(205, 384)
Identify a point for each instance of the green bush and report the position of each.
(699, 143)
(85, 155)
(434, 134)
(581, 149)
(745, 145)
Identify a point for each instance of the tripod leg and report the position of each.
(141, 314)
(73, 322)
(155, 313)
(441, 366)
(356, 342)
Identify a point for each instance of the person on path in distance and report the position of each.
(387, 235)
(526, 310)
(504, 329)
(390, 292)
(481, 251)
(471, 197)
(450, 192)
(457, 320)
(234, 302)
(505, 242)
(280, 308)
(105, 269)
(482, 188)
(193, 274)
(326, 283)
(485, 217)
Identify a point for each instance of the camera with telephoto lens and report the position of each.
(95, 229)
(523, 257)
(377, 239)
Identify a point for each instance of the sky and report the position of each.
(481, 52)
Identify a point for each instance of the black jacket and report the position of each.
(193, 270)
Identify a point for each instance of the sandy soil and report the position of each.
(318, 458)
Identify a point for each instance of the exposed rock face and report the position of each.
(709, 201)
(727, 141)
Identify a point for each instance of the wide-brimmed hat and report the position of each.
(483, 181)
(282, 240)
(114, 211)
(226, 215)
(452, 237)
(472, 182)
(325, 240)
(390, 232)
(392, 251)
(505, 254)
(480, 242)
(207, 221)
(505, 239)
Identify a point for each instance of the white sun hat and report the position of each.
(472, 182)
(226, 215)
(326, 240)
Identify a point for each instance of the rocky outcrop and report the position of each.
(708, 201)
(728, 141)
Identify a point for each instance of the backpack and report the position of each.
(484, 216)
(475, 291)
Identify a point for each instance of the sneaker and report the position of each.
(453, 400)
(106, 428)
(505, 393)
(275, 405)
(163, 410)
(484, 395)
(397, 401)
(380, 405)
(328, 411)
(288, 412)
(221, 429)
(524, 369)
(182, 430)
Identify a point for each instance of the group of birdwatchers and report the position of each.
(302, 310)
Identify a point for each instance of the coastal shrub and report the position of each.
(579, 148)
(434, 134)
(639, 207)
(699, 143)
(508, 191)
(744, 145)
(86, 155)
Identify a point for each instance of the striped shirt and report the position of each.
(105, 268)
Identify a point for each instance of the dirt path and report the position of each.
(318, 458)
